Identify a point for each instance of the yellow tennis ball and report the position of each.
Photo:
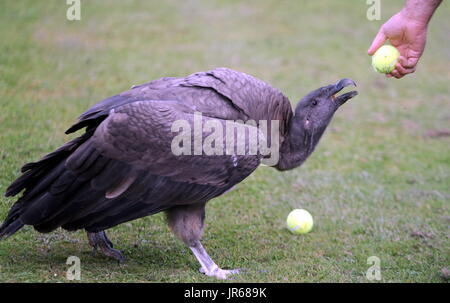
(299, 221)
(385, 59)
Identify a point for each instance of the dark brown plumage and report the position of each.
(122, 167)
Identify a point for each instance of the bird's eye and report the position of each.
(314, 102)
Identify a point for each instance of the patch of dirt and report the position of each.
(437, 133)
(59, 236)
(422, 234)
(445, 274)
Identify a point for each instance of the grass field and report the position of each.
(377, 185)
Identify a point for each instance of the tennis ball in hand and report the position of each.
(385, 59)
(299, 221)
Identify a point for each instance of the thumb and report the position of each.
(377, 43)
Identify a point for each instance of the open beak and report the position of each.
(338, 87)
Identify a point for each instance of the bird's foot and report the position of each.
(208, 267)
(100, 241)
(219, 273)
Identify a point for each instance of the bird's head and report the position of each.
(315, 110)
(312, 115)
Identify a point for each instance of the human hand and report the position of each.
(408, 36)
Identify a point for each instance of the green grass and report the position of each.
(373, 183)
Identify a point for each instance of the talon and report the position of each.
(94, 252)
(220, 273)
(100, 240)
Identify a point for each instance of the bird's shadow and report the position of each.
(150, 255)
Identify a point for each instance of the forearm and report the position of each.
(420, 11)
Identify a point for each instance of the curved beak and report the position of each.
(338, 87)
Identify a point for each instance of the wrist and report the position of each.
(418, 18)
(419, 11)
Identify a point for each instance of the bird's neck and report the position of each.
(296, 147)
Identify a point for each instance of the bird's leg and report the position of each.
(101, 241)
(208, 267)
(186, 222)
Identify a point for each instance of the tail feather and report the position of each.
(9, 228)
(33, 172)
(36, 179)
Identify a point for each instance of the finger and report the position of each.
(402, 66)
(408, 62)
(379, 40)
(402, 60)
(403, 71)
(391, 74)
(395, 74)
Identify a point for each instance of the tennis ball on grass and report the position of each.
(299, 221)
(385, 59)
